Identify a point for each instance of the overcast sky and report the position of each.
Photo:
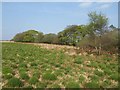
(51, 17)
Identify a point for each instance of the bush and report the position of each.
(72, 85)
(78, 60)
(7, 76)
(114, 76)
(24, 76)
(81, 78)
(36, 74)
(98, 73)
(15, 82)
(41, 85)
(22, 65)
(49, 76)
(34, 64)
(92, 84)
(94, 77)
(6, 70)
(107, 71)
(22, 70)
(33, 80)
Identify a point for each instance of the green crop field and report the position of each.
(25, 65)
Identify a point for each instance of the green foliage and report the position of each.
(72, 85)
(48, 69)
(22, 65)
(81, 79)
(24, 76)
(94, 77)
(49, 76)
(92, 84)
(15, 82)
(50, 38)
(68, 69)
(99, 73)
(114, 76)
(6, 70)
(7, 76)
(78, 60)
(36, 74)
(107, 71)
(33, 80)
(28, 36)
(41, 85)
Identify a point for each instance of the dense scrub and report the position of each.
(32, 66)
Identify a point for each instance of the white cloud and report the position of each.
(85, 4)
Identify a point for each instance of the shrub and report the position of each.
(107, 71)
(15, 82)
(33, 64)
(81, 78)
(24, 76)
(94, 64)
(67, 70)
(114, 76)
(6, 70)
(58, 72)
(78, 60)
(33, 80)
(7, 76)
(72, 85)
(92, 84)
(94, 77)
(41, 85)
(22, 70)
(98, 73)
(49, 76)
(24, 65)
(36, 74)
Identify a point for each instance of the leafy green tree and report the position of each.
(18, 37)
(68, 35)
(29, 36)
(98, 25)
(50, 38)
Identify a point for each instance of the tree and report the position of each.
(28, 36)
(18, 37)
(68, 35)
(98, 25)
(50, 38)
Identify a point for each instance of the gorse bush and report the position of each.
(33, 80)
(15, 82)
(49, 76)
(114, 76)
(99, 73)
(92, 84)
(24, 76)
(7, 76)
(72, 85)
(6, 70)
(78, 60)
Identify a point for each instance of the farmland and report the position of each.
(26, 65)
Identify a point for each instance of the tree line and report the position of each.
(94, 35)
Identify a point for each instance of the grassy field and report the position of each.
(25, 65)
